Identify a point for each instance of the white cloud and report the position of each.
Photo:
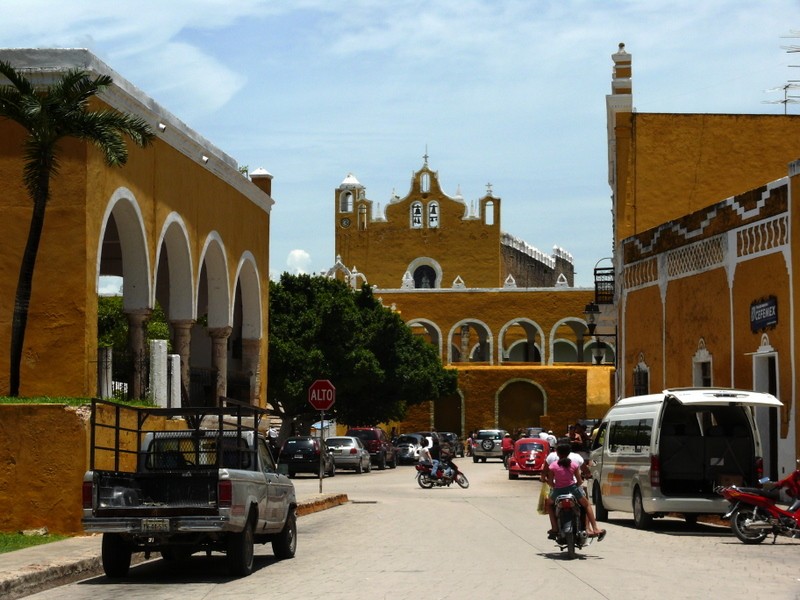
(299, 262)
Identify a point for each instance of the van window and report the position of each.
(599, 439)
(631, 436)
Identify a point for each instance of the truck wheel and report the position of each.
(641, 519)
(600, 512)
(116, 555)
(284, 545)
(240, 551)
(393, 464)
(382, 462)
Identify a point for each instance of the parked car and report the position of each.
(407, 447)
(301, 454)
(528, 458)
(488, 444)
(349, 453)
(377, 442)
(454, 441)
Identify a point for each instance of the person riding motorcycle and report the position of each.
(424, 453)
(507, 446)
(564, 476)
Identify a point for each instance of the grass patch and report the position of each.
(16, 541)
(69, 401)
(46, 400)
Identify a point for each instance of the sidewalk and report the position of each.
(34, 569)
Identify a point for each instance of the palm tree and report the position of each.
(50, 114)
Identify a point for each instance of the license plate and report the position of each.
(298, 456)
(155, 525)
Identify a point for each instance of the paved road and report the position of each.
(395, 540)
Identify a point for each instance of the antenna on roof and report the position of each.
(787, 98)
(792, 84)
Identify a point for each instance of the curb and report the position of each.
(39, 577)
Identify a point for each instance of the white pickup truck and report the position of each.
(198, 479)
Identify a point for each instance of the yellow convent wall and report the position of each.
(670, 165)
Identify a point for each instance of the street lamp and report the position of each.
(592, 312)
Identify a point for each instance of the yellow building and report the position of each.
(501, 312)
(179, 223)
(703, 215)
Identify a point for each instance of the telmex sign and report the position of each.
(763, 314)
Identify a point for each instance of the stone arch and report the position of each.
(123, 250)
(248, 281)
(469, 333)
(528, 354)
(174, 253)
(571, 347)
(433, 333)
(520, 403)
(426, 261)
(214, 265)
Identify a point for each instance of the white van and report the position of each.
(665, 453)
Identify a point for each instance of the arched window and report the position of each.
(488, 213)
(425, 182)
(416, 215)
(362, 217)
(424, 277)
(346, 202)
(433, 214)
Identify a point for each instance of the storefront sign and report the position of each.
(763, 314)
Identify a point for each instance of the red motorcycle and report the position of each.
(754, 512)
(446, 474)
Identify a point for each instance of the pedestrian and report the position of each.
(508, 448)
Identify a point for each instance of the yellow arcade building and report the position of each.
(705, 246)
(181, 225)
(499, 311)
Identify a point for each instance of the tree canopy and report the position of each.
(319, 328)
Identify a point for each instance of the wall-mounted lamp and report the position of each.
(162, 127)
(590, 312)
(205, 158)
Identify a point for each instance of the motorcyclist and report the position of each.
(435, 456)
(564, 476)
(791, 483)
(424, 453)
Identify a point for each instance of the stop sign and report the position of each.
(321, 394)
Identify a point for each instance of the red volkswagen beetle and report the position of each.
(528, 457)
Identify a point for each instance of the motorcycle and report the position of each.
(754, 512)
(570, 516)
(447, 473)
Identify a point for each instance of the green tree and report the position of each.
(49, 115)
(319, 328)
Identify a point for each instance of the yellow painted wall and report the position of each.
(570, 392)
(383, 250)
(643, 343)
(757, 279)
(61, 340)
(41, 467)
(669, 165)
(43, 462)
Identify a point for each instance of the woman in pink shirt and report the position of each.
(564, 477)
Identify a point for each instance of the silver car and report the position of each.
(488, 444)
(349, 453)
(408, 445)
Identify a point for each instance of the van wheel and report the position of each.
(600, 511)
(641, 519)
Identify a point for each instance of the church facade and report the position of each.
(502, 313)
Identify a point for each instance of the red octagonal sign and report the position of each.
(321, 394)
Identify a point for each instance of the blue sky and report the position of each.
(507, 92)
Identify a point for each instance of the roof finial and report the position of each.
(425, 156)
